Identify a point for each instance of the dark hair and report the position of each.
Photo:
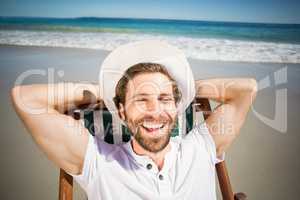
(142, 68)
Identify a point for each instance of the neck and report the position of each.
(157, 158)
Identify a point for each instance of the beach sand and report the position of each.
(263, 162)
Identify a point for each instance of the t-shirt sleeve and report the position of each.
(91, 163)
(202, 136)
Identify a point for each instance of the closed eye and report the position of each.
(166, 99)
(141, 100)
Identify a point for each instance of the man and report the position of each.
(147, 85)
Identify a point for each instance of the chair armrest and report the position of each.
(240, 196)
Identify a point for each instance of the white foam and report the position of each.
(198, 48)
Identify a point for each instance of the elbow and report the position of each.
(30, 99)
(253, 84)
(15, 95)
(22, 97)
(17, 98)
(248, 88)
(253, 88)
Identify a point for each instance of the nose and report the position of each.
(153, 106)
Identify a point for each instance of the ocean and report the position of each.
(205, 40)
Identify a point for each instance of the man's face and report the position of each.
(150, 110)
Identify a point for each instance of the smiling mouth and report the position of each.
(152, 128)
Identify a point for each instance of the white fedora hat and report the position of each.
(153, 51)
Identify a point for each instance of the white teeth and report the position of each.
(149, 125)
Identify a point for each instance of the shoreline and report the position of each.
(107, 51)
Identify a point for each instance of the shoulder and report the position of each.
(200, 139)
(107, 150)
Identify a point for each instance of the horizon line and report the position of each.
(146, 18)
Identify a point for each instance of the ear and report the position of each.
(121, 111)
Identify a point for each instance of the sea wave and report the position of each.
(197, 48)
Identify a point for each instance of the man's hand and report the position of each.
(42, 107)
(235, 97)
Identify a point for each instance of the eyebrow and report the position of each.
(147, 94)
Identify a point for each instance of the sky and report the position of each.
(270, 11)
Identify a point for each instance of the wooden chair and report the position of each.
(87, 114)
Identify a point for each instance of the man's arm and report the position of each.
(235, 97)
(41, 109)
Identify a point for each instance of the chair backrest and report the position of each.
(98, 120)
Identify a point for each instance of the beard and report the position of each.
(150, 143)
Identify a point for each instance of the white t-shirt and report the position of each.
(115, 172)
